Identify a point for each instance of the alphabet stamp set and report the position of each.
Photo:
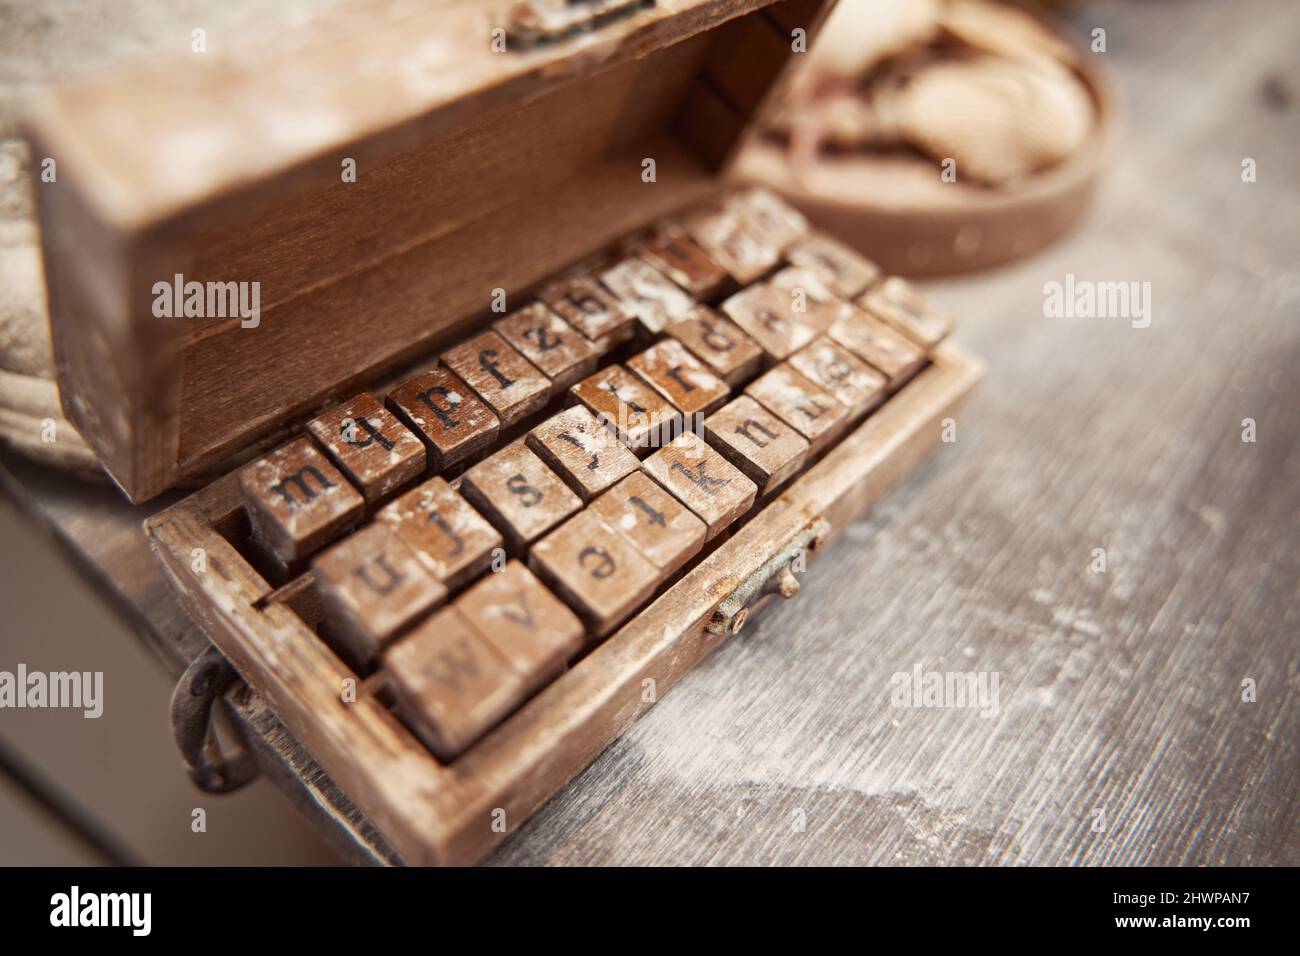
(461, 543)
(504, 509)
(459, 549)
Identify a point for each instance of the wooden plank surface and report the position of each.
(1119, 690)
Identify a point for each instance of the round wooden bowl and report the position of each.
(897, 211)
(31, 420)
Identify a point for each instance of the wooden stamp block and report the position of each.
(720, 344)
(847, 273)
(597, 571)
(372, 586)
(765, 314)
(582, 451)
(507, 382)
(447, 416)
(703, 480)
(899, 304)
(530, 626)
(452, 540)
(762, 446)
(809, 301)
(674, 253)
(562, 353)
(369, 445)
(853, 382)
(590, 308)
(450, 684)
(647, 293)
(726, 238)
(297, 501)
(774, 222)
(627, 406)
(519, 494)
(807, 408)
(680, 377)
(878, 345)
(661, 527)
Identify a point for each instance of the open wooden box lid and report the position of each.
(474, 170)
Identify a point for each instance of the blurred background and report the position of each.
(110, 789)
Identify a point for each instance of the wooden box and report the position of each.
(478, 172)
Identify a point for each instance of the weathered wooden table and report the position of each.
(1121, 733)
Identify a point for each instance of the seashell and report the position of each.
(860, 33)
(850, 122)
(1003, 31)
(1000, 120)
(844, 121)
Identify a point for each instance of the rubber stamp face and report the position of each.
(806, 407)
(506, 381)
(447, 415)
(297, 501)
(703, 480)
(368, 443)
(519, 494)
(757, 442)
(582, 451)
(560, 351)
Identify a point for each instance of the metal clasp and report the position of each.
(776, 576)
(530, 23)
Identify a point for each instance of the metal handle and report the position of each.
(209, 767)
